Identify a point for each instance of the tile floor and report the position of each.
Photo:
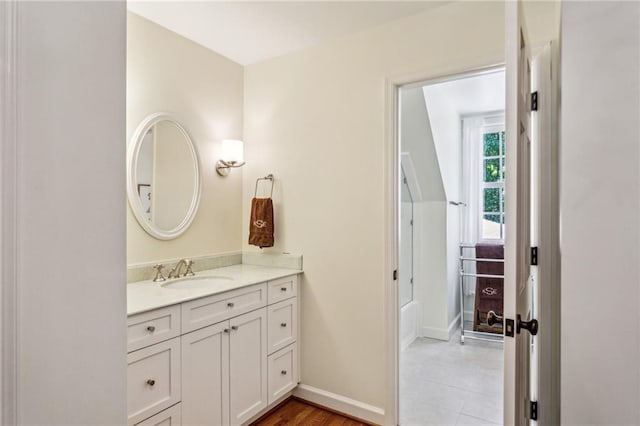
(446, 383)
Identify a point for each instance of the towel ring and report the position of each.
(267, 177)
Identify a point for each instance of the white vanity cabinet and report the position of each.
(205, 375)
(153, 379)
(234, 355)
(169, 417)
(247, 365)
(224, 371)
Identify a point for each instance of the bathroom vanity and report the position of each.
(219, 348)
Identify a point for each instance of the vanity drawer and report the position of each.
(153, 379)
(283, 372)
(170, 417)
(152, 327)
(282, 324)
(282, 288)
(210, 310)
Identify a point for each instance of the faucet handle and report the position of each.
(158, 276)
(188, 264)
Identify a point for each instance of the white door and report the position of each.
(247, 365)
(517, 300)
(205, 376)
(405, 272)
(545, 361)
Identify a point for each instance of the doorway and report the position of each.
(451, 214)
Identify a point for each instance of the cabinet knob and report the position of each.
(151, 328)
(283, 324)
(283, 372)
(151, 382)
(283, 289)
(226, 330)
(230, 304)
(234, 327)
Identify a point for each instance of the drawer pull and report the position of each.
(151, 328)
(283, 372)
(230, 304)
(234, 327)
(283, 289)
(283, 324)
(151, 382)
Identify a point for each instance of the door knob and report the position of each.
(493, 318)
(531, 325)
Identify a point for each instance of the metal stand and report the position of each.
(469, 334)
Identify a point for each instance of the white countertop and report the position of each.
(145, 296)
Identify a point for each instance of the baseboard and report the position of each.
(468, 315)
(407, 341)
(343, 404)
(435, 333)
(453, 326)
(270, 409)
(441, 333)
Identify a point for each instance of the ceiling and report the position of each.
(252, 31)
(471, 95)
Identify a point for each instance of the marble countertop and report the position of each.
(145, 296)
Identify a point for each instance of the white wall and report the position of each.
(168, 73)
(448, 143)
(446, 137)
(71, 220)
(437, 166)
(416, 139)
(600, 211)
(430, 268)
(315, 119)
(432, 274)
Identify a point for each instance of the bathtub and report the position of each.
(409, 316)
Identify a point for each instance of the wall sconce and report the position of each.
(232, 156)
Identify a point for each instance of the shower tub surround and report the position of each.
(216, 348)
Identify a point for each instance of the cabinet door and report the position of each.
(283, 372)
(282, 324)
(168, 417)
(248, 369)
(153, 379)
(205, 376)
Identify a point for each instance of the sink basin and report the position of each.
(195, 282)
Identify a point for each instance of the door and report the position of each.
(205, 376)
(247, 365)
(517, 293)
(405, 272)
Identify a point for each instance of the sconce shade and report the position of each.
(232, 151)
(232, 156)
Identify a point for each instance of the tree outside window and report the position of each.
(493, 171)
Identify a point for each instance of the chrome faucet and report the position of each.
(175, 272)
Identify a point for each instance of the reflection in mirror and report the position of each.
(163, 177)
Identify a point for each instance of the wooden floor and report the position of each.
(297, 412)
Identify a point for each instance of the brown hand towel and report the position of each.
(489, 291)
(261, 224)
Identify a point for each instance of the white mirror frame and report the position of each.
(132, 191)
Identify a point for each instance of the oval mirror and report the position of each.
(163, 178)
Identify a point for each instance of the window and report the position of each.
(493, 177)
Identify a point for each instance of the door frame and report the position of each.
(549, 247)
(547, 235)
(392, 214)
(8, 214)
